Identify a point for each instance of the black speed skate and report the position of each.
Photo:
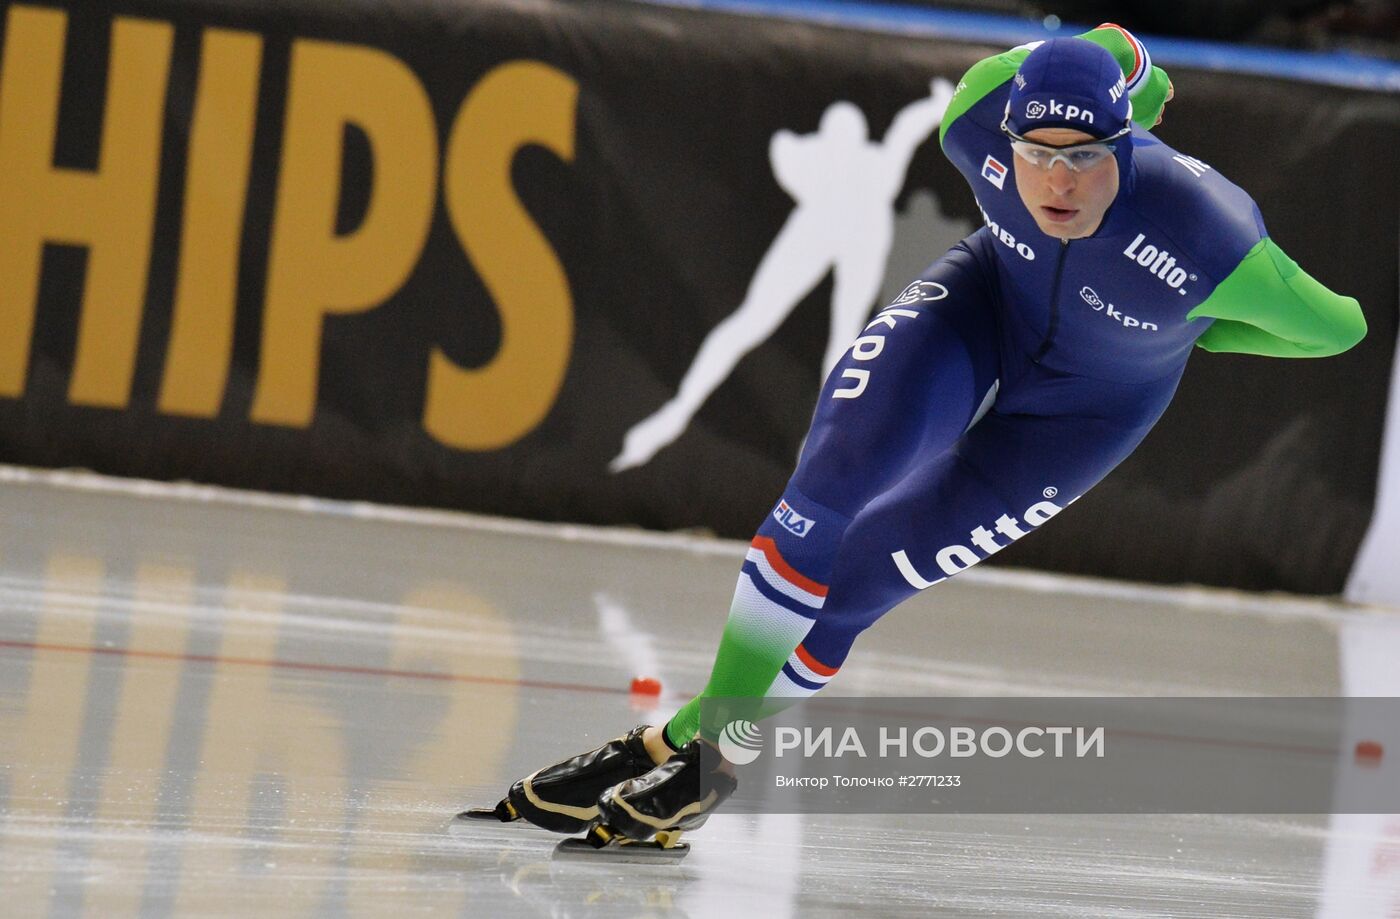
(678, 795)
(564, 797)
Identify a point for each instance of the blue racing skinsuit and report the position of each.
(1004, 383)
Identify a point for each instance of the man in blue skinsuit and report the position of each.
(999, 387)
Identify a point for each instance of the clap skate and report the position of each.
(651, 811)
(564, 797)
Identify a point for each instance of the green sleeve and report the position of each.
(1151, 98)
(1270, 306)
(989, 73)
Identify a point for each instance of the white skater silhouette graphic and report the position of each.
(845, 187)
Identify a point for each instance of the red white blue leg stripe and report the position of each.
(1142, 61)
(801, 675)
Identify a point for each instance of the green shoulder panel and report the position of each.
(1270, 306)
(989, 73)
(985, 76)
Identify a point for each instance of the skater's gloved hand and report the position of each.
(1171, 91)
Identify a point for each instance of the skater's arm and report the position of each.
(1148, 96)
(1153, 87)
(916, 120)
(1269, 306)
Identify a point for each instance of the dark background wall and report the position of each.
(544, 208)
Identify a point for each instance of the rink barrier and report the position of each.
(447, 255)
(1211, 599)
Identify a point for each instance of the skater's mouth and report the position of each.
(1058, 214)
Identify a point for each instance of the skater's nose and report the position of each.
(1060, 179)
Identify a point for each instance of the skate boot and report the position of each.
(678, 795)
(564, 797)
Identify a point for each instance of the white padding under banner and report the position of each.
(1375, 576)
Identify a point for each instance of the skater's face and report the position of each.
(1065, 203)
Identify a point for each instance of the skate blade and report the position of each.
(663, 850)
(501, 813)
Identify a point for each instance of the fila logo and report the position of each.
(955, 558)
(1196, 167)
(1069, 113)
(1160, 262)
(1108, 309)
(792, 521)
(994, 171)
(1023, 250)
(1115, 92)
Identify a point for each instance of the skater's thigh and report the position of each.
(1004, 480)
(912, 380)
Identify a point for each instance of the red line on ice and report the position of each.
(310, 667)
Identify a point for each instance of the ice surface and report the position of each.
(214, 709)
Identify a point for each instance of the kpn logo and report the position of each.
(741, 742)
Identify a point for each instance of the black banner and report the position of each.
(451, 254)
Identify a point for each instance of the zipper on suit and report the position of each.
(1054, 304)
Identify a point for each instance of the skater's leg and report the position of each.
(1010, 474)
(856, 284)
(786, 274)
(917, 375)
(1006, 478)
